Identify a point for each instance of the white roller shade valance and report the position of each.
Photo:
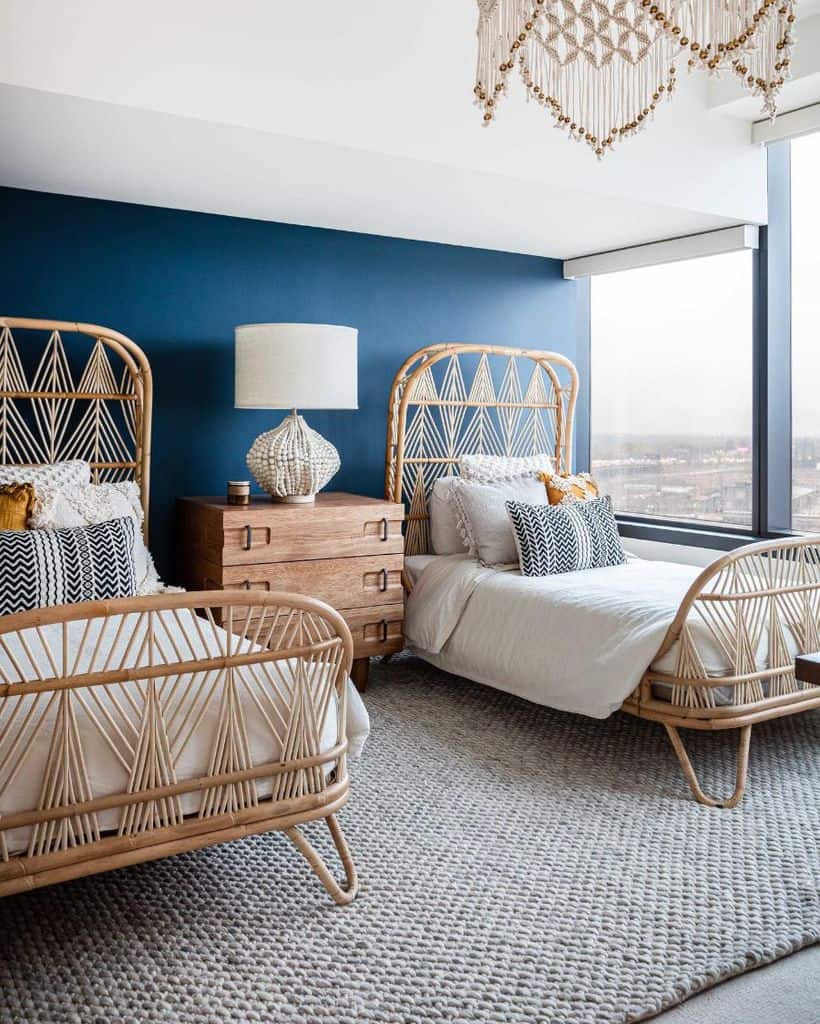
(788, 126)
(672, 250)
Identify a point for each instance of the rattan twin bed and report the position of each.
(145, 686)
(448, 400)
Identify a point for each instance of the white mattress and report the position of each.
(20, 782)
(577, 641)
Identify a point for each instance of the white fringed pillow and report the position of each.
(445, 534)
(486, 469)
(483, 518)
(74, 473)
(60, 508)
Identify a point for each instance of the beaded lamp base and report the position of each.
(294, 499)
(292, 462)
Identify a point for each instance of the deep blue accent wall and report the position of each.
(179, 282)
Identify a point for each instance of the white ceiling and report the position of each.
(354, 116)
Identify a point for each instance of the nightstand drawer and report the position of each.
(376, 630)
(345, 549)
(342, 582)
(267, 532)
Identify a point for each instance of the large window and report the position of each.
(671, 409)
(805, 232)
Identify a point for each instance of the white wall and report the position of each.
(659, 552)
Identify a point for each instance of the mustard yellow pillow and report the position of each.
(569, 487)
(16, 503)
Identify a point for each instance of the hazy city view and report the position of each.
(806, 484)
(678, 476)
(704, 478)
(672, 389)
(672, 378)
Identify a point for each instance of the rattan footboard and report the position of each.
(759, 603)
(145, 678)
(758, 606)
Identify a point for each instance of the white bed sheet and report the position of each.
(577, 641)
(20, 790)
(416, 564)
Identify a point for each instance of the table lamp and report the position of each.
(293, 366)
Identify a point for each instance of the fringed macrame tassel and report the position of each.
(600, 70)
(598, 93)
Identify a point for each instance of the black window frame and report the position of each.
(771, 383)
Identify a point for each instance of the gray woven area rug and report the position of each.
(517, 864)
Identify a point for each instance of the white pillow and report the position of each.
(445, 535)
(58, 508)
(483, 518)
(75, 473)
(487, 468)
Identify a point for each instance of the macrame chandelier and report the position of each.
(600, 67)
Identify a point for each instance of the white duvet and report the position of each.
(21, 779)
(577, 641)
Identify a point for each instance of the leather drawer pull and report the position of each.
(383, 575)
(385, 528)
(248, 538)
(247, 584)
(384, 630)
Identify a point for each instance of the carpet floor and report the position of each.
(517, 864)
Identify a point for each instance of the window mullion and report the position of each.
(774, 377)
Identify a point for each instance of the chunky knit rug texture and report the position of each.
(517, 864)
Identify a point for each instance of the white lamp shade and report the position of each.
(296, 366)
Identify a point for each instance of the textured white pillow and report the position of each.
(484, 522)
(487, 468)
(59, 508)
(445, 535)
(75, 473)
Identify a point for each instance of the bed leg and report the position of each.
(359, 672)
(341, 894)
(740, 771)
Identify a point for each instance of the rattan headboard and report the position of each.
(435, 417)
(62, 397)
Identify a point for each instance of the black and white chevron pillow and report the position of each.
(41, 568)
(606, 541)
(565, 538)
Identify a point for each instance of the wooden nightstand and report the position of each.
(345, 549)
